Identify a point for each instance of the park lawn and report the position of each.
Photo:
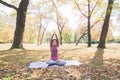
(98, 64)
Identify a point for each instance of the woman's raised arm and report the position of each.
(57, 40)
(51, 39)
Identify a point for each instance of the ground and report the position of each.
(98, 64)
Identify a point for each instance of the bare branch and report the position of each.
(63, 26)
(8, 5)
(53, 20)
(85, 31)
(83, 4)
(95, 23)
(46, 25)
(94, 7)
(54, 4)
(79, 8)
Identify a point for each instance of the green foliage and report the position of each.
(94, 41)
(8, 78)
(47, 37)
(1, 63)
(67, 35)
(84, 39)
(117, 40)
(74, 37)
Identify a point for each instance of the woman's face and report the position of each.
(54, 43)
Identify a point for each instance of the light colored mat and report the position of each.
(45, 65)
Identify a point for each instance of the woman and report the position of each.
(54, 44)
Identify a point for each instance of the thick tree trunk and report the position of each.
(105, 25)
(20, 24)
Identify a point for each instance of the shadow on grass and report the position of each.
(98, 58)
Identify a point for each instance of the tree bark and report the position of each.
(80, 38)
(43, 34)
(61, 38)
(89, 31)
(20, 24)
(38, 41)
(105, 25)
(59, 28)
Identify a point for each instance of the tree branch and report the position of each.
(8, 5)
(79, 8)
(54, 4)
(95, 23)
(94, 7)
(85, 31)
(63, 25)
(83, 4)
(53, 20)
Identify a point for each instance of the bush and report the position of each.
(94, 42)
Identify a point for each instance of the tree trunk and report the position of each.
(20, 24)
(105, 25)
(38, 41)
(60, 38)
(85, 32)
(80, 39)
(59, 28)
(90, 11)
(42, 36)
(89, 33)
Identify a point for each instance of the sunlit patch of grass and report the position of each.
(42, 53)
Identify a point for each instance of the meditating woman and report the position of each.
(54, 45)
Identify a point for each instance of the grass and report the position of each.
(12, 59)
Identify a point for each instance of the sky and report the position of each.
(68, 13)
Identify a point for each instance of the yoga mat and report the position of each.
(45, 65)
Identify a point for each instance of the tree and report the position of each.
(42, 35)
(105, 25)
(84, 31)
(39, 30)
(20, 22)
(90, 11)
(40, 11)
(96, 31)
